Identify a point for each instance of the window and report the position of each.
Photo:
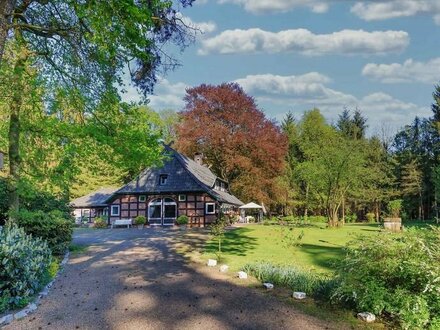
(142, 198)
(182, 198)
(155, 209)
(115, 210)
(210, 208)
(163, 179)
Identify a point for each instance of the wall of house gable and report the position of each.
(193, 207)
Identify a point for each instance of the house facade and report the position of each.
(181, 186)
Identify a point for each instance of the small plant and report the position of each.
(218, 231)
(182, 220)
(100, 223)
(140, 220)
(289, 238)
(394, 208)
(371, 217)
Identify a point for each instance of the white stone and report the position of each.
(242, 275)
(224, 268)
(31, 307)
(366, 317)
(6, 319)
(45, 292)
(21, 314)
(212, 262)
(299, 295)
(268, 286)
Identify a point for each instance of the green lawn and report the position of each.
(320, 246)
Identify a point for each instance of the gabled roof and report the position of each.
(95, 199)
(184, 175)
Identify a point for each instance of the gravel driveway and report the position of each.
(133, 279)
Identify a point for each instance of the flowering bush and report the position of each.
(24, 264)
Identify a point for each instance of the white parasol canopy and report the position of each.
(251, 205)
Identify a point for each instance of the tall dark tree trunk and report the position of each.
(6, 9)
(22, 57)
(376, 210)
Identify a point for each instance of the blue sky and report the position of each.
(381, 56)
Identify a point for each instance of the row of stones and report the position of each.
(366, 317)
(32, 307)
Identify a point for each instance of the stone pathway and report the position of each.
(133, 279)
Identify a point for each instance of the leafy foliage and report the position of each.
(239, 143)
(100, 223)
(52, 227)
(393, 275)
(140, 220)
(182, 220)
(24, 261)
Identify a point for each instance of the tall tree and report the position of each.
(239, 143)
(81, 49)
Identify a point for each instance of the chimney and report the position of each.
(198, 158)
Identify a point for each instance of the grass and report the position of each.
(320, 246)
(76, 249)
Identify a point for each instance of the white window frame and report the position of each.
(182, 198)
(142, 198)
(206, 208)
(114, 214)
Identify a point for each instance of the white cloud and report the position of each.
(201, 27)
(305, 42)
(166, 95)
(264, 6)
(382, 9)
(409, 71)
(311, 90)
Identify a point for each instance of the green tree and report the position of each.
(81, 50)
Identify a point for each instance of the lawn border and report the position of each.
(33, 306)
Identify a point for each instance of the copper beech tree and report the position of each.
(239, 143)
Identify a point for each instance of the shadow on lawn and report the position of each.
(323, 256)
(236, 242)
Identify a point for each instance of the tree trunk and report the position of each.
(306, 208)
(343, 211)
(436, 207)
(420, 207)
(14, 131)
(6, 8)
(376, 210)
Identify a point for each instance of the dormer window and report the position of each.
(163, 179)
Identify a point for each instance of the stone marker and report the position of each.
(242, 275)
(366, 317)
(299, 295)
(31, 307)
(6, 319)
(268, 286)
(21, 314)
(224, 268)
(212, 262)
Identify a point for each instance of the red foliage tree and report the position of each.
(239, 143)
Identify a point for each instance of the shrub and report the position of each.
(24, 261)
(371, 217)
(182, 220)
(393, 275)
(351, 217)
(394, 207)
(317, 218)
(57, 231)
(100, 223)
(288, 276)
(140, 220)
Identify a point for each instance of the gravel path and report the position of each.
(132, 279)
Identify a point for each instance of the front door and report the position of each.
(162, 212)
